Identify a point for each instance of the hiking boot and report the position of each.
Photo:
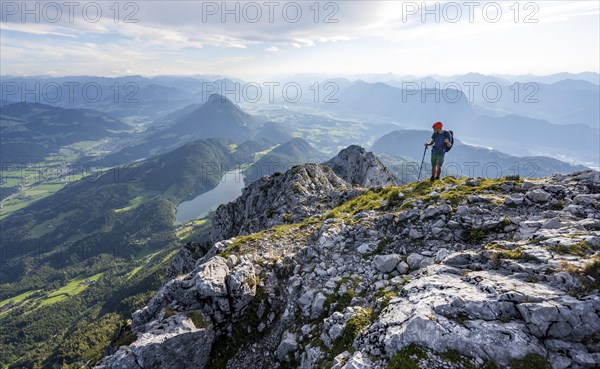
(438, 178)
(432, 178)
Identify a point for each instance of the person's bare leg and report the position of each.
(438, 171)
(433, 171)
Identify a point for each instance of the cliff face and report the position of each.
(306, 272)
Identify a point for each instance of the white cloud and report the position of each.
(174, 37)
(37, 29)
(335, 39)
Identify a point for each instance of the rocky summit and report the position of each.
(361, 168)
(307, 270)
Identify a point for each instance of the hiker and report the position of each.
(441, 141)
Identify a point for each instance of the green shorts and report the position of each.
(437, 159)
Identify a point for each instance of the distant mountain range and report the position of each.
(591, 77)
(404, 105)
(520, 135)
(120, 96)
(490, 124)
(565, 101)
(467, 160)
(169, 107)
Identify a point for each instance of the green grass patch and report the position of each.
(10, 181)
(454, 190)
(18, 298)
(582, 248)
(169, 255)
(371, 200)
(147, 256)
(531, 361)
(146, 252)
(452, 356)
(36, 185)
(244, 332)
(337, 302)
(134, 203)
(260, 154)
(393, 197)
(134, 271)
(590, 275)
(386, 297)
(188, 228)
(516, 254)
(352, 328)
(243, 244)
(197, 319)
(74, 287)
(14, 203)
(474, 236)
(49, 225)
(53, 300)
(407, 358)
(332, 214)
(168, 313)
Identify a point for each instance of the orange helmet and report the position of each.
(437, 125)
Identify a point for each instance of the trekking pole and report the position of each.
(422, 160)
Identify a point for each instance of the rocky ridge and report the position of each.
(459, 273)
(280, 198)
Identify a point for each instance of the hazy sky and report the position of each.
(271, 37)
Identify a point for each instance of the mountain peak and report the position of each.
(221, 104)
(219, 117)
(218, 97)
(361, 168)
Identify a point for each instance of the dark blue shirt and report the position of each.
(439, 146)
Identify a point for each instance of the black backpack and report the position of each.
(451, 141)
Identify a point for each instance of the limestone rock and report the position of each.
(361, 168)
(176, 343)
(288, 344)
(386, 263)
(538, 195)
